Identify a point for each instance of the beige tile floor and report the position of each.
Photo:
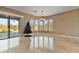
(61, 44)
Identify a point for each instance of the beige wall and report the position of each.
(67, 23)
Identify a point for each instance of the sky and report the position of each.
(3, 21)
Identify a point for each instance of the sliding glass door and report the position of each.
(14, 28)
(14, 33)
(9, 28)
(3, 28)
(9, 25)
(9, 33)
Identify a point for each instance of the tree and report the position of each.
(27, 29)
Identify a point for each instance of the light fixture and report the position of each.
(42, 17)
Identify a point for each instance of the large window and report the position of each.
(41, 25)
(14, 27)
(9, 27)
(3, 28)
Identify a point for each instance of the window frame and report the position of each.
(7, 27)
(18, 28)
(8, 24)
(43, 25)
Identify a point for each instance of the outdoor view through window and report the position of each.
(41, 25)
(14, 28)
(4, 30)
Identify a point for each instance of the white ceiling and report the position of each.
(48, 10)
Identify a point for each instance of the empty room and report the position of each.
(39, 29)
